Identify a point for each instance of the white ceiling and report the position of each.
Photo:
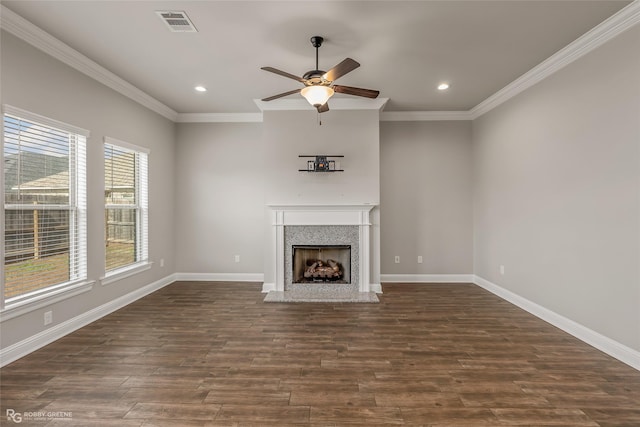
(405, 47)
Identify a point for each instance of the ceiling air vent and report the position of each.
(177, 21)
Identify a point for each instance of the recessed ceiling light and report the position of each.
(443, 86)
(200, 88)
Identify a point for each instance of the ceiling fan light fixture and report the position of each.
(317, 95)
(318, 85)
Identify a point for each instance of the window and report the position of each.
(126, 205)
(45, 233)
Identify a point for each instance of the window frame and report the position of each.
(141, 206)
(77, 206)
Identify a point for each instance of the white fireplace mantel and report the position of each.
(282, 216)
(322, 214)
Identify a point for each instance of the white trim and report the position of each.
(128, 271)
(268, 287)
(423, 116)
(51, 297)
(335, 104)
(610, 28)
(613, 348)
(376, 287)
(427, 278)
(295, 215)
(40, 39)
(126, 145)
(42, 207)
(43, 120)
(219, 118)
(220, 277)
(39, 340)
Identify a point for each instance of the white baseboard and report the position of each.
(268, 287)
(39, 340)
(220, 277)
(427, 278)
(375, 287)
(613, 348)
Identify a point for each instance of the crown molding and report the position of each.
(336, 104)
(218, 118)
(423, 116)
(25, 30)
(605, 31)
(608, 29)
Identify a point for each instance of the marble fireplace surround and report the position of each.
(321, 224)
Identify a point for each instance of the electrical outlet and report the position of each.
(397, 260)
(237, 258)
(48, 317)
(419, 259)
(161, 262)
(502, 270)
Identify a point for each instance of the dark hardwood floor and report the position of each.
(205, 354)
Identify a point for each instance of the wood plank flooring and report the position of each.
(214, 354)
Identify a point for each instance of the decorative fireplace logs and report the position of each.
(321, 270)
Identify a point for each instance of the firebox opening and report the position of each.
(321, 263)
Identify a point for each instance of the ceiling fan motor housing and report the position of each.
(314, 77)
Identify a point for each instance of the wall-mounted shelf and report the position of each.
(321, 163)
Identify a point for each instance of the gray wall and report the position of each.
(227, 172)
(354, 134)
(426, 197)
(34, 81)
(557, 192)
(220, 174)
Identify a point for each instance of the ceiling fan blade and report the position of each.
(280, 95)
(323, 108)
(341, 69)
(283, 73)
(367, 93)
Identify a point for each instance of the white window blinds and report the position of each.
(126, 204)
(44, 204)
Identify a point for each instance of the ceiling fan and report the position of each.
(318, 84)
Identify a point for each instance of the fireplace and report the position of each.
(321, 263)
(337, 235)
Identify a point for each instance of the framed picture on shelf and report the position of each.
(321, 163)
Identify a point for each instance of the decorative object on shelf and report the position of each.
(322, 163)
